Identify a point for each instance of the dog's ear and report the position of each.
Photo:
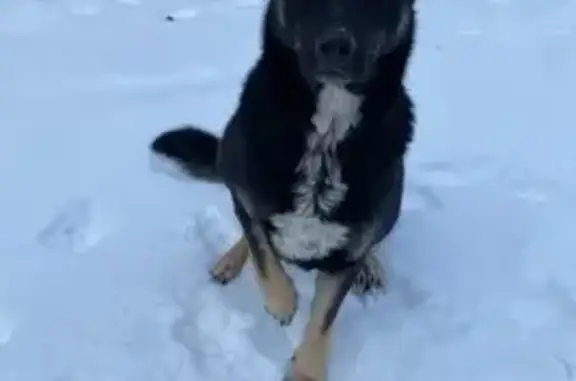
(279, 9)
(192, 149)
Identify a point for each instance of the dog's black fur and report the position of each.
(266, 138)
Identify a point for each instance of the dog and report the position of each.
(313, 157)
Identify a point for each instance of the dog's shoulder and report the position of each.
(371, 157)
(265, 138)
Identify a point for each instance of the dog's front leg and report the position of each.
(309, 362)
(280, 297)
(277, 287)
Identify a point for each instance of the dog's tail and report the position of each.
(192, 149)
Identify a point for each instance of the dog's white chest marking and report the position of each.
(303, 234)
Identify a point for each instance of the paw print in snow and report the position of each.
(72, 229)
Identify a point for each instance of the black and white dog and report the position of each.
(313, 156)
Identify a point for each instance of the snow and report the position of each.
(103, 261)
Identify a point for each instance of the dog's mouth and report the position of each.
(333, 77)
(352, 76)
(340, 78)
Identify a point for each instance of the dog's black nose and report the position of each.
(335, 48)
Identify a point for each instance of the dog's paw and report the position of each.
(282, 314)
(226, 270)
(292, 375)
(231, 263)
(370, 279)
(281, 299)
(312, 368)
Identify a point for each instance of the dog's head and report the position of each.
(341, 41)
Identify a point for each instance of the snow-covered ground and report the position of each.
(103, 262)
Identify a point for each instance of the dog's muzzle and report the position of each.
(334, 52)
(338, 57)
